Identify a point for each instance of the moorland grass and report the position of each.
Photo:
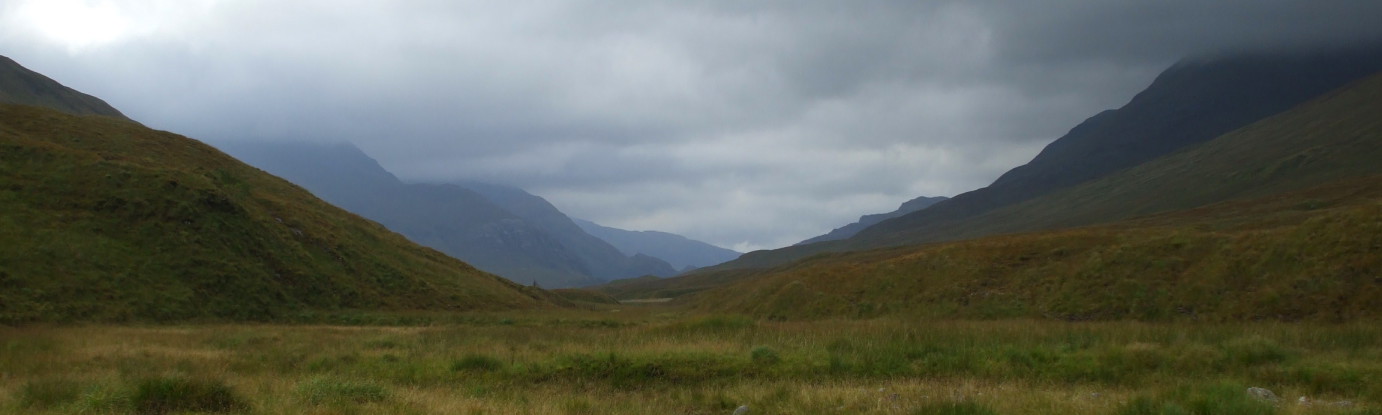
(656, 360)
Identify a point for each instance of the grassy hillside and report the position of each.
(1336, 136)
(1313, 255)
(105, 220)
(1193, 102)
(1295, 175)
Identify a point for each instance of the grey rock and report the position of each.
(1263, 394)
(744, 409)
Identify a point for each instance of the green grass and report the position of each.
(106, 220)
(658, 359)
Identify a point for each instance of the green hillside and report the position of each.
(1290, 202)
(1336, 136)
(1309, 255)
(106, 220)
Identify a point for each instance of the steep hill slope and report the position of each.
(19, 85)
(106, 220)
(1192, 102)
(1295, 234)
(680, 252)
(866, 221)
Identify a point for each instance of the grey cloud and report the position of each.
(746, 124)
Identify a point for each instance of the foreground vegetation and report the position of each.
(649, 360)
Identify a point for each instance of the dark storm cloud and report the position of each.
(746, 124)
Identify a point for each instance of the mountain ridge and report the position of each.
(682, 253)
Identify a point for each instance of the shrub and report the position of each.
(333, 391)
(477, 363)
(176, 394)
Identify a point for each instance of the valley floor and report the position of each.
(650, 359)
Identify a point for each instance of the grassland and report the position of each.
(660, 360)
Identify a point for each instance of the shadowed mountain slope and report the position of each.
(106, 220)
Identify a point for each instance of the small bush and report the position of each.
(175, 394)
(477, 363)
(332, 391)
(48, 393)
(764, 355)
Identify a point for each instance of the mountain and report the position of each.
(505, 231)
(679, 251)
(1191, 102)
(19, 85)
(866, 221)
(1277, 220)
(602, 258)
(106, 220)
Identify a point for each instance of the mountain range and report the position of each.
(499, 229)
(1276, 220)
(680, 252)
(1195, 100)
(1235, 187)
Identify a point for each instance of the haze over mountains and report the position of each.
(499, 229)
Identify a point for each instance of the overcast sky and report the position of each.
(747, 124)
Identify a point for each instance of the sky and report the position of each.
(746, 124)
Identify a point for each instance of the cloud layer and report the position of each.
(744, 124)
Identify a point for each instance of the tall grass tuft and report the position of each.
(477, 363)
(48, 393)
(332, 391)
(164, 395)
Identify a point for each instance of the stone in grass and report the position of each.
(742, 410)
(1263, 394)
